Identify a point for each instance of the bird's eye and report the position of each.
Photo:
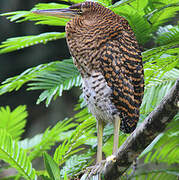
(79, 11)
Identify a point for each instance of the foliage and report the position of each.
(52, 77)
(52, 167)
(11, 153)
(13, 122)
(150, 21)
(26, 41)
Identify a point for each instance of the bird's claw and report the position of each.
(94, 170)
(98, 168)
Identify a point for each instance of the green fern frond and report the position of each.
(167, 34)
(16, 82)
(157, 89)
(20, 16)
(165, 149)
(146, 173)
(53, 78)
(76, 163)
(50, 137)
(51, 167)
(161, 15)
(155, 69)
(11, 153)
(71, 146)
(141, 27)
(133, 13)
(14, 122)
(17, 43)
(29, 143)
(63, 77)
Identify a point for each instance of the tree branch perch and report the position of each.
(154, 124)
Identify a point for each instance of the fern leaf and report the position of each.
(78, 137)
(14, 122)
(76, 163)
(166, 148)
(157, 89)
(51, 167)
(50, 137)
(160, 15)
(146, 173)
(16, 82)
(11, 153)
(53, 78)
(167, 34)
(136, 19)
(20, 16)
(17, 43)
(63, 77)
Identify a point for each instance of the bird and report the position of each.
(106, 53)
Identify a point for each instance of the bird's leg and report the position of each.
(116, 124)
(100, 140)
(116, 135)
(99, 163)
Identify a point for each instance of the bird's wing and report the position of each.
(121, 65)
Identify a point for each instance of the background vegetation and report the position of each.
(156, 28)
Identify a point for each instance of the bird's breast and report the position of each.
(97, 94)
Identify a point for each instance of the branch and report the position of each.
(153, 125)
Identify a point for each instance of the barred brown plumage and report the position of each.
(106, 53)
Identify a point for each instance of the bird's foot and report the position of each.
(98, 168)
(95, 170)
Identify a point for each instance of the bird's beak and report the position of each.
(63, 13)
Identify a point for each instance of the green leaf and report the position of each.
(165, 150)
(63, 76)
(16, 82)
(157, 89)
(20, 16)
(11, 153)
(163, 173)
(167, 34)
(53, 78)
(17, 43)
(161, 15)
(50, 137)
(51, 167)
(134, 13)
(76, 163)
(82, 133)
(14, 122)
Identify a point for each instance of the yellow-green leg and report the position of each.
(116, 135)
(100, 127)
